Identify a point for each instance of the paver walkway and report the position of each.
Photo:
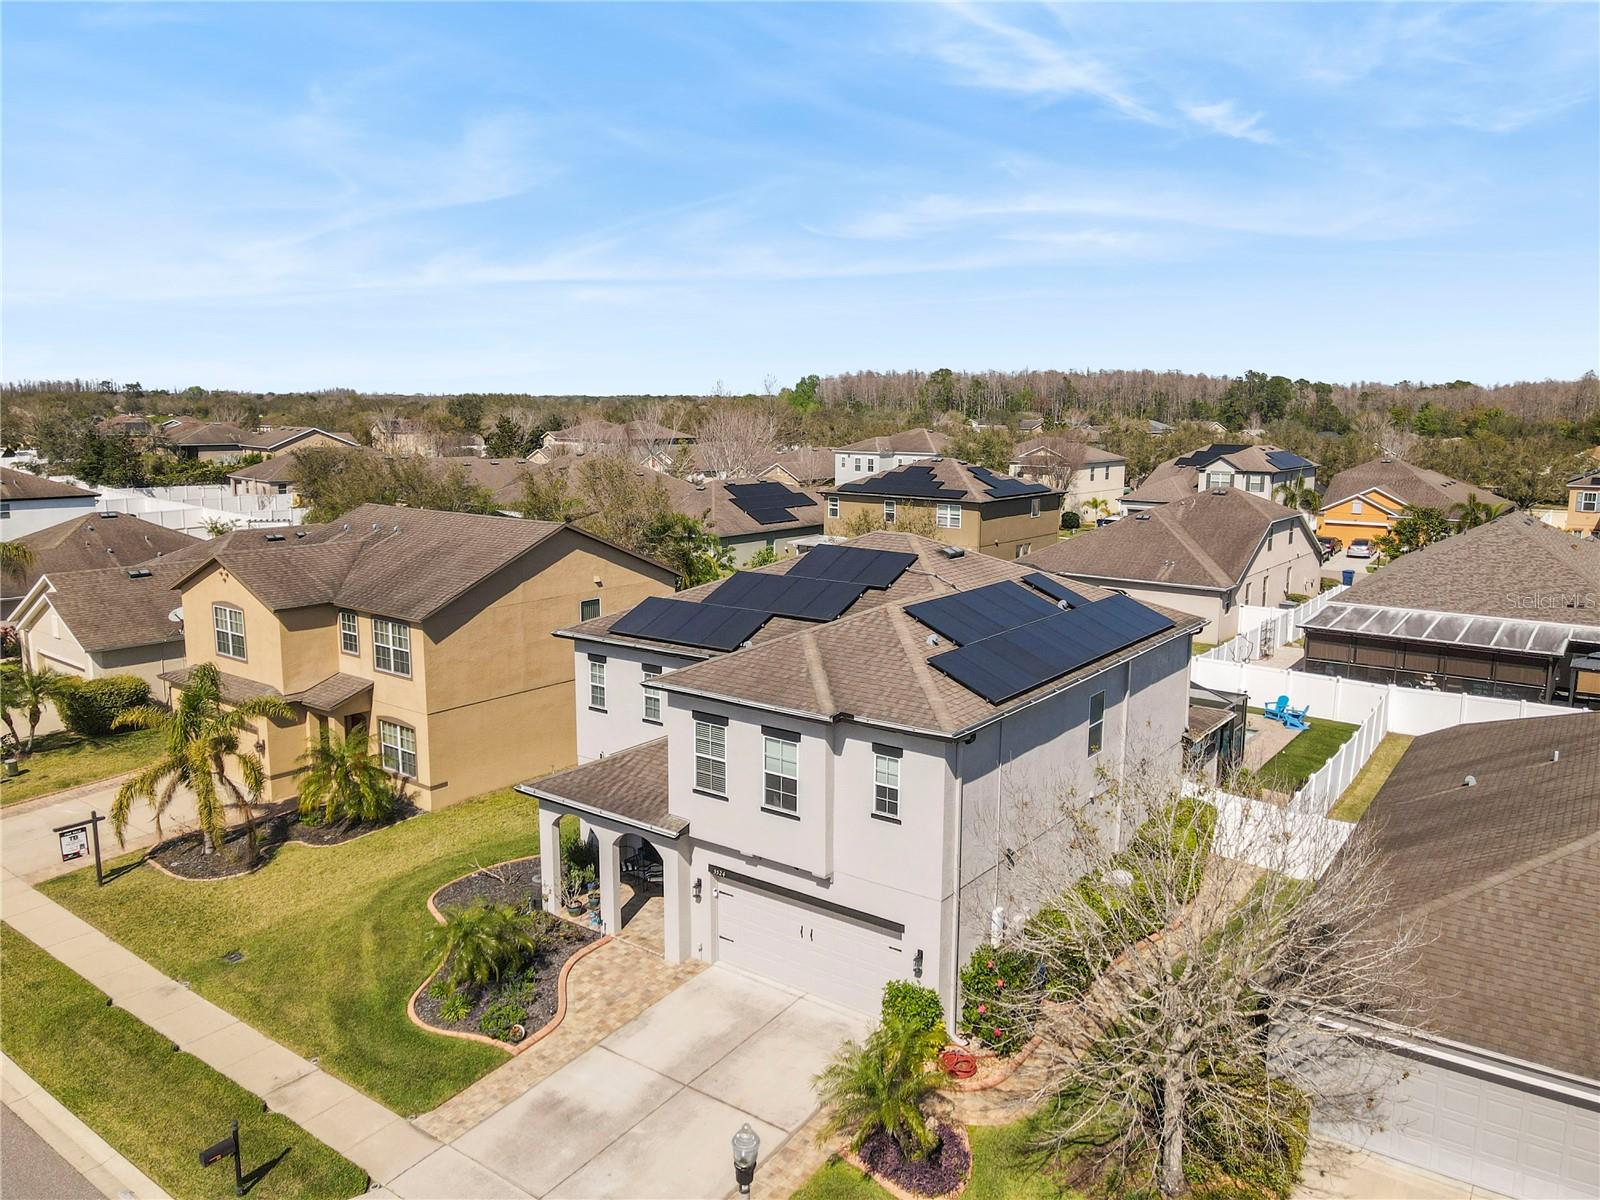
(380, 1142)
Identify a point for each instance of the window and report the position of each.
(1256, 483)
(886, 782)
(1355, 507)
(1269, 539)
(1291, 535)
(349, 636)
(597, 682)
(858, 464)
(1215, 480)
(710, 755)
(1024, 549)
(229, 625)
(391, 646)
(1097, 722)
(948, 516)
(399, 748)
(588, 610)
(872, 464)
(783, 770)
(652, 695)
(888, 512)
(833, 506)
(1033, 508)
(1589, 501)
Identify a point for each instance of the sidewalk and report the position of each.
(375, 1139)
(83, 1149)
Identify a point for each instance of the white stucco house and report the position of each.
(29, 503)
(850, 780)
(874, 454)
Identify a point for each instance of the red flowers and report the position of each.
(982, 1008)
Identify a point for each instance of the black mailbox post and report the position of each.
(218, 1151)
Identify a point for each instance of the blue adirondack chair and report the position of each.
(1275, 709)
(1295, 718)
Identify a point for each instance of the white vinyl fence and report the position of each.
(1269, 628)
(192, 508)
(1298, 844)
(1318, 794)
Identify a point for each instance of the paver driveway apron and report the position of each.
(647, 1113)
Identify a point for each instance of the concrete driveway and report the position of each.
(648, 1112)
(30, 850)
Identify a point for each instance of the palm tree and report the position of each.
(1472, 512)
(343, 780)
(1296, 494)
(16, 556)
(482, 941)
(24, 690)
(883, 1085)
(1098, 506)
(201, 734)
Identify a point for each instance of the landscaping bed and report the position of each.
(185, 856)
(943, 1172)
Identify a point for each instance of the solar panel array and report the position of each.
(851, 564)
(807, 599)
(689, 623)
(971, 616)
(767, 503)
(1004, 487)
(1005, 665)
(1283, 460)
(1055, 589)
(913, 480)
(1207, 455)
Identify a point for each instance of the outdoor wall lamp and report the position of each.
(697, 886)
(746, 1145)
(916, 965)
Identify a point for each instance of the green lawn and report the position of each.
(157, 1107)
(1004, 1167)
(1365, 785)
(63, 760)
(1290, 767)
(1198, 648)
(333, 942)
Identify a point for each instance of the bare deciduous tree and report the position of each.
(738, 440)
(1261, 987)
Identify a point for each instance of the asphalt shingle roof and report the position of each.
(1409, 484)
(631, 785)
(21, 485)
(92, 541)
(907, 441)
(107, 609)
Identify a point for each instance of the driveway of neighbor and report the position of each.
(32, 852)
(649, 1111)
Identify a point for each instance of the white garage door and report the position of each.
(840, 958)
(1496, 1137)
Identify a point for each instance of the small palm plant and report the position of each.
(24, 690)
(201, 733)
(482, 942)
(1296, 494)
(1098, 506)
(16, 557)
(883, 1084)
(342, 781)
(1472, 512)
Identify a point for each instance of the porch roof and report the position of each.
(629, 786)
(235, 688)
(328, 694)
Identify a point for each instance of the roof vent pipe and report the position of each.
(1555, 756)
(1470, 781)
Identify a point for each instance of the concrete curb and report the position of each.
(84, 1150)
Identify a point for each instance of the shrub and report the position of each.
(1260, 1160)
(89, 706)
(499, 1017)
(482, 942)
(881, 1085)
(577, 850)
(912, 1004)
(1071, 520)
(455, 1007)
(991, 984)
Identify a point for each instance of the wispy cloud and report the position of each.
(1225, 118)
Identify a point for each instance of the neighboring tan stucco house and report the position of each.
(1085, 474)
(1366, 500)
(1583, 503)
(1205, 554)
(828, 806)
(431, 629)
(1259, 470)
(223, 442)
(955, 502)
(109, 621)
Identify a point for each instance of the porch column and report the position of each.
(675, 900)
(550, 857)
(609, 869)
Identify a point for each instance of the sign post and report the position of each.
(217, 1151)
(76, 839)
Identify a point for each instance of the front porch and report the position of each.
(641, 851)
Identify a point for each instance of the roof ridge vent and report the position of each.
(953, 552)
(1555, 756)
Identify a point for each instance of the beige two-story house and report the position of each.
(957, 503)
(429, 629)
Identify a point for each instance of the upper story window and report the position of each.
(1097, 722)
(710, 754)
(228, 622)
(948, 516)
(888, 512)
(858, 464)
(1216, 479)
(349, 634)
(597, 682)
(652, 695)
(1269, 539)
(872, 464)
(782, 763)
(1589, 501)
(1355, 507)
(398, 744)
(885, 782)
(1023, 549)
(1291, 535)
(1033, 508)
(588, 610)
(833, 506)
(391, 646)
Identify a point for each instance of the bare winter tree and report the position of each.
(1200, 987)
(737, 440)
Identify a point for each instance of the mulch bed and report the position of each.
(184, 857)
(942, 1172)
(535, 987)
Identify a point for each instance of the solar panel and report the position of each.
(808, 599)
(1283, 460)
(766, 503)
(1007, 664)
(852, 564)
(1054, 588)
(769, 516)
(904, 481)
(686, 623)
(971, 616)
(1003, 487)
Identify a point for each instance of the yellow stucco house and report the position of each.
(1366, 500)
(1583, 503)
(430, 629)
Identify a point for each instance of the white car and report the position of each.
(1360, 548)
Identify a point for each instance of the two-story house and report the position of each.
(429, 629)
(1366, 500)
(961, 504)
(221, 441)
(1092, 480)
(874, 454)
(1583, 503)
(29, 503)
(1258, 469)
(847, 767)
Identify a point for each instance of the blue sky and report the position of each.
(600, 198)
